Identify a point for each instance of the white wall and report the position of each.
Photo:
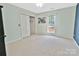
(64, 22)
(41, 28)
(11, 17)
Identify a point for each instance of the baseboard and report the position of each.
(75, 43)
(12, 41)
(41, 34)
(62, 37)
(55, 35)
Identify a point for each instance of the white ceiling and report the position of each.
(46, 6)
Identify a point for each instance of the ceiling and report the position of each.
(46, 6)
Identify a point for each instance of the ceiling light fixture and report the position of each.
(39, 4)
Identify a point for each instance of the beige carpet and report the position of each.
(42, 45)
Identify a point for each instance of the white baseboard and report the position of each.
(75, 43)
(13, 41)
(55, 35)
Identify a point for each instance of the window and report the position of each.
(51, 24)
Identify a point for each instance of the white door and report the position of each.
(24, 25)
(32, 25)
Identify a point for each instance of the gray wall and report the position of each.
(64, 22)
(11, 16)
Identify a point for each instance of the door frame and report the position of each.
(3, 36)
(30, 25)
(75, 26)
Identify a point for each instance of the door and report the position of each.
(76, 28)
(24, 24)
(32, 25)
(2, 36)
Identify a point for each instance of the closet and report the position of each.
(24, 25)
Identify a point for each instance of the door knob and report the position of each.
(19, 25)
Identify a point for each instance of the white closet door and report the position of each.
(28, 25)
(32, 25)
(24, 25)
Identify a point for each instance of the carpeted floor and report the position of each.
(42, 45)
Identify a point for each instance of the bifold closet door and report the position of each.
(76, 27)
(24, 25)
